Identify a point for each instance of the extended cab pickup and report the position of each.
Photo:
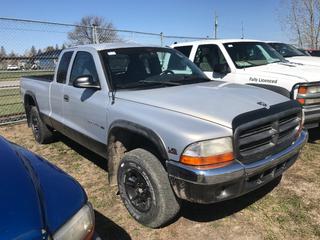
(167, 131)
(256, 63)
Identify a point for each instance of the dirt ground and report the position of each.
(286, 210)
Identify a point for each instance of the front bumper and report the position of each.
(233, 180)
(312, 116)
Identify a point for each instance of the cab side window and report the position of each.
(63, 67)
(83, 65)
(209, 57)
(185, 50)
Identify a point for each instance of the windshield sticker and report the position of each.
(262, 80)
(230, 45)
(112, 53)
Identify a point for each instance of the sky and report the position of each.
(172, 17)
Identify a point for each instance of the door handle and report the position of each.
(66, 98)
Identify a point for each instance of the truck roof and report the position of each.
(114, 45)
(214, 41)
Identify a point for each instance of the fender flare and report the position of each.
(33, 96)
(143, 131)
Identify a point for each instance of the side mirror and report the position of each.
(85, 82)
(221, 68)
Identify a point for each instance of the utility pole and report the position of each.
(95, 38)
(242, 31)
(215, 26)
(161, 39)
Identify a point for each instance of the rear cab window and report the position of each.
(63, 67)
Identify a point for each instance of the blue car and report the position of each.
(40, 201)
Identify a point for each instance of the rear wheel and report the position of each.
(145, 189)
(42, 134)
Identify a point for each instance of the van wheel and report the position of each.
(145, 189)
(42, 134)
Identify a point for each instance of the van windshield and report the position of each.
(251, 54)
(149, 67)
(286, 50)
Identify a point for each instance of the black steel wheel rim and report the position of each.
(138, 190)
(35, 126)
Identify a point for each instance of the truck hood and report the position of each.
(302, 73)
(305, 60)
(35, 194)
(215, 101)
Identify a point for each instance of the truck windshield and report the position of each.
(145, 67)
(286, 50)
(251, 54)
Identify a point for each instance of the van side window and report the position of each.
(185, 50)
(63, 67)
(83, 65)
(208, 57)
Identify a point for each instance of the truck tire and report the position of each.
(145, 189)
(42, 134)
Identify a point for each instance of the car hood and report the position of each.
(302, 73)
(306, 60)
(214, 101)
(35, 194)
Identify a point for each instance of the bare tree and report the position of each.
(92, 29)
(302, 21)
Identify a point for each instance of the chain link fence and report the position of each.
(30, 48)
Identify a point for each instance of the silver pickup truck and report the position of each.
(168, 132)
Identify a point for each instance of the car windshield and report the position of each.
(286, 50)
(148, 67)
(251, 54)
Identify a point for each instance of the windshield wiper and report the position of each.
(144, 83)
(159, 82)
(193, 78)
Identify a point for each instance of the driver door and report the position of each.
(85, 109)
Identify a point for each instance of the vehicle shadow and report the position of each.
(108, 230)
(216, 211)
(314, 135)
(84, 152)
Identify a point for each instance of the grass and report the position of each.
(16, 75)
(10, 102)
(289, 210)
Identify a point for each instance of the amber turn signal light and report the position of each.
(201, 161)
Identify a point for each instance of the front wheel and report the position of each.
(145, 189)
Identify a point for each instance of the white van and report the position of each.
(256, 63)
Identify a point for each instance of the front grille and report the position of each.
(267, 135)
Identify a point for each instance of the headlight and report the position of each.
(306, 89)
(307, 95)
(208, 153)
(79, 227)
